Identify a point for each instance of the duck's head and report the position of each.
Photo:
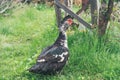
(66, 22)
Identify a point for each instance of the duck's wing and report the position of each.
(56, 54)
(47, 50)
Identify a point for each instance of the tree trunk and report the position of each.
(94, 12)
(85, 4)
(104, 17)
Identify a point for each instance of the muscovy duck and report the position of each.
(53, 58)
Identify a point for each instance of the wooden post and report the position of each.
(66, 4)
(72, 14)
(94, 12)
(58, 14)
(58, 5)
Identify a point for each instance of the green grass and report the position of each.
(29, 30)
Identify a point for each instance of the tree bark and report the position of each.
(104, 17)
(85, 4)
(94, 12)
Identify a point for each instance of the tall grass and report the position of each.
(94, 56)
(29, 30)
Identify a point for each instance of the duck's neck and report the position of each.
(62, 39)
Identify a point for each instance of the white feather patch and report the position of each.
(65, 53)
(62, 57)
(41, 60)
(64, 43)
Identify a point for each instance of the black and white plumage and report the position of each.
(53, 58)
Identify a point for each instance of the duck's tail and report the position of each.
(34, 69)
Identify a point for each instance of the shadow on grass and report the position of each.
(65, 73)
(32, 76)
